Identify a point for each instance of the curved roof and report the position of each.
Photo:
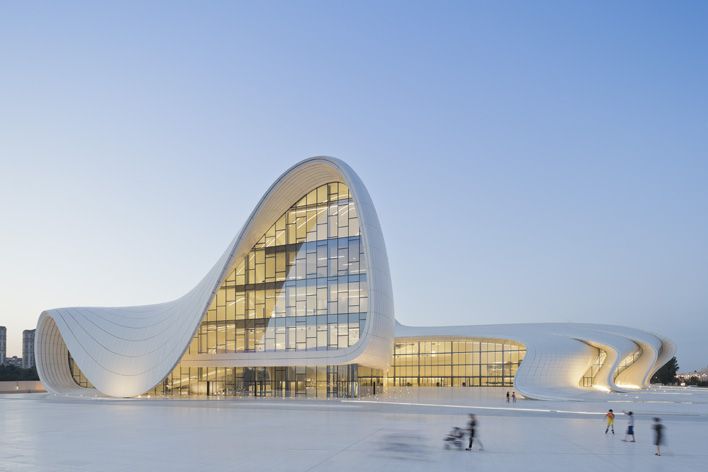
(126, 351)
(559, 354)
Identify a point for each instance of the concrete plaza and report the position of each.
(42, 432)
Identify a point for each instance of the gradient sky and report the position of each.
(529, 161)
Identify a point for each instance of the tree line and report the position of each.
(12, 372)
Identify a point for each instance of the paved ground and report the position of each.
(40, 432)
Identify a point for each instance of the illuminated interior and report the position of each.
(626, 363)
(467, 362)
(300, 303)
(302, 286)
(588, 379)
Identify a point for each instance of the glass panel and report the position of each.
(463, 362)
(325, 274)
(302, 286)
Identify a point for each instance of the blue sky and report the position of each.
(529, 161)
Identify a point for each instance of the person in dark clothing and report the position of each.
(513, 397)
(658, 435)
(472, 430)
(507, 396)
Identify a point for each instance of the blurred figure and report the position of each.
(513, 397)
(658, 435)
(610, 415)
(507, 396)
(630, 427)
(455, 438)
(472, 430)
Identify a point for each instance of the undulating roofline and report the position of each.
(126, 351)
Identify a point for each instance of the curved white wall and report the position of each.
(126, 351)
(559, 354)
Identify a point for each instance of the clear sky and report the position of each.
(531, 161)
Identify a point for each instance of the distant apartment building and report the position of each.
(28, 348)
(3, 344)
(701, 375)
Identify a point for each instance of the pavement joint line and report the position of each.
(511, 409)
(607, 458)
(497, 408)
(331, 456)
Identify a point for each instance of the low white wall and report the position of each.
(21, 386)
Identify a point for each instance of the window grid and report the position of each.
(77, 375)
(309, 382)
(462, 363)
(303, 286)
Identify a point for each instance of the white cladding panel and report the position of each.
(126, 351)
(559, 354)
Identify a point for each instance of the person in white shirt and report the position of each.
(630, 427)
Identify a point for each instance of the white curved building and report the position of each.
(301, 304)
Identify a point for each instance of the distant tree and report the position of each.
(13, 373)
(30, 374)
(696, 381)
(667, 374)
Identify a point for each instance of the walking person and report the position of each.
(513, 397)
(610, 415)
(507, 396)
(472, 430)
(630, 427)
(658, 435)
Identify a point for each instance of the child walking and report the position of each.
(610, 415)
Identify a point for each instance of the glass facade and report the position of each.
(416, 363)
(77, 375)
(588, 379)
(457, 363)
(303, 286)
(628, 361)
(281, 382)
(343, 381)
